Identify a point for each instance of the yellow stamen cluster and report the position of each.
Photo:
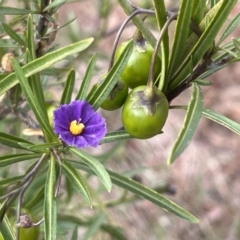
(76, 128)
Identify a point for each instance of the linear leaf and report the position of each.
(7, 229)
(112, 77)
(69, 87)
(144, 192)
(34, 80)
(152, 196)
(198, 11)
(11, 141)
(94, 226)
(196, 48)
(192, 117)
(8, 45)
(77, 181)
(54, 4)
(9, 181)
(44, 62)
(82, 93)
(13, 34)
(14, 158)
(161, 15)
(32, 101)
(115, 232)
(95, 165)
(14, 11)
(29, 203)
(115, 136)
(44, 147)
(222, 120)
(203, 82)
(180, 35)
(230, 28)
(50, 206)
(75, 233)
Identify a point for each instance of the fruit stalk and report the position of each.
(133, 14)
(150, 81)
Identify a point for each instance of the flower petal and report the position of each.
(95, 126)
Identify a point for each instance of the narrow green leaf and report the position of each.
(29, 203)
(70, 190)
(9, 181)
(7, 230)
(95, 165)
(11, 141)
(144, 192)
(75, 233)
(115, 136)
(234, 54)
(26, 145)
(77, 181)
(192, 117)
(50, 206)
(34, 80)
(52, 71)
(44, 147)
(82, 93)
(112, 77)
(115, 232)
(213, 3)
(161, 15)
(106, 156)
(222, 120)
(198, 11)
(30, 36)
(13, 34)
(8, 45)
(94, 226)
(32, 101)
(196, 48)
(213, 70)
(43, 63)
(14, 158)
(68, 89)
(14, 11)
(230, 28)
(152, 196)
(54, 4)
(236, 44)
(203, 82)
(180, 35)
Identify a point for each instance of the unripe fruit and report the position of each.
(136, 72)
(143, 116)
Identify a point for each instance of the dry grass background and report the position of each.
(206, 176)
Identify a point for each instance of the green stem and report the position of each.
(140, 11)
(128, 8)
(155, 53)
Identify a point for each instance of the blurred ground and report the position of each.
(206, 176)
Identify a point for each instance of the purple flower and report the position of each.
(78, 125)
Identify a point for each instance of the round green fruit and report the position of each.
(143, 116)
(116, 98)
(136, 72)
